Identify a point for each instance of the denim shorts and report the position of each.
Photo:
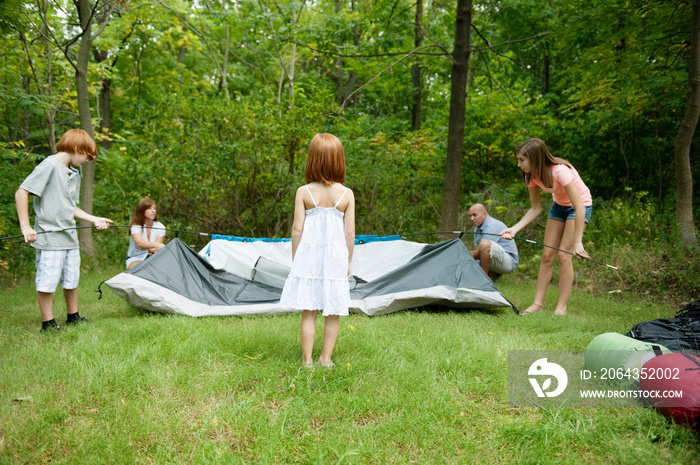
(562, 213)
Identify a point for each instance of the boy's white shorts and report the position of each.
(54, 266)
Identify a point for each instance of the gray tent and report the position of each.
(236, 276)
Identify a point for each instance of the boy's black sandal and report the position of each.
(76, 319)
(50, 326)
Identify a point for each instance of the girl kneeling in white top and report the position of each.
(146, 233)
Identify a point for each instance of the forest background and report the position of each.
(208, 107)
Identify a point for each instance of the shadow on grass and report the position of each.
(443, 309)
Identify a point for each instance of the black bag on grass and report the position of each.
(679, 334)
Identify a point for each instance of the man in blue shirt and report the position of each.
(496, 255)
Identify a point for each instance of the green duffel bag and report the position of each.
(613, 351)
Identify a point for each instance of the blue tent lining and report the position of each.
(359, 239)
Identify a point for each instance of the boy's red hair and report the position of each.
(77, 142)
(326, 161)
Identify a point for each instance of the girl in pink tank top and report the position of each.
(568, 217)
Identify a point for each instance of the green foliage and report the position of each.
(16, 259)
(397, 181)
(655, 273)
(638, 219)
(10, 18)
(607, 81)
(215, 166)
(638, 236)
(603, 82)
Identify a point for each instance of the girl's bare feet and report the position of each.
(560, 312)
(532, 309)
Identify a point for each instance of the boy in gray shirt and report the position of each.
(56, 187)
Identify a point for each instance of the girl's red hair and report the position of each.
(326, 161)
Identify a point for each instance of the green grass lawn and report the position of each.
(410, 387)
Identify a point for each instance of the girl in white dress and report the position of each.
(323, 238)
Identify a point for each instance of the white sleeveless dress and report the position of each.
(318, 279)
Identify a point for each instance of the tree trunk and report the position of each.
(455, 135)
(684, 178)
(291, 152)
(25, 113)
(292, 134)
(339, 62)
(224, 80)
(547, 66)
(180, 61)
(351, 84)
(105, 104)
(417, 84)
(85, 115)
(106, 113)
(51, 113)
